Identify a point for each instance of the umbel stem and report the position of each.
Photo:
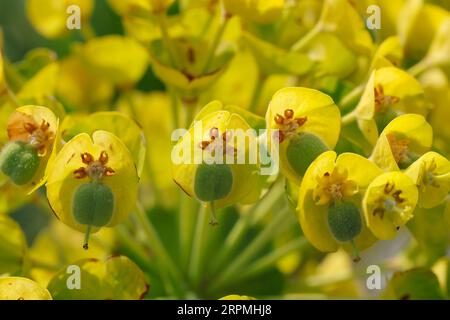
(86, 238)
(213, 221)
(357, 257)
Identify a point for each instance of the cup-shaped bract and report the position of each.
(101, 159)
(335, 185)
(218, 146)
(189, 77)
(302, 114)
(389, 92)
(402, 141)
(32, 134)
(389, 203)
(431, 174)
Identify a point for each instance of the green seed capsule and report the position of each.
(302, 150)
(344, 220)
(93, 204)
(19, 161)
(213, 181)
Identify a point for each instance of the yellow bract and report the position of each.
(52, 24)
(320, 115)
(17, 288)
(389, 91)
(403, 140)
(189, 77)
(62, 182)
(262, 11)
(119, 59)
(39, 126)
(333, 178)
(246, 177)
(389, 203)
(431, 174)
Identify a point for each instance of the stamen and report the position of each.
(288, 125)
(87, 158)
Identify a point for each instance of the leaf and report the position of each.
(13, 247)
(15, 288)
(117, 278)
(414, 284)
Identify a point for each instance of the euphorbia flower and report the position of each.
(93, 182)
(329, 203)
(431, 174)
(262, 11)
(389, 203)
(308, 122)
(190, 76)
(389, 92)
(53, 23)
(32, 132)
(199, 174)
(403, 140)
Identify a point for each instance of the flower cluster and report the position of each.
(353, 116)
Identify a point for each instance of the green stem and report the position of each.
(305, 40)
(357, 257)
(198, 244)
(162, 256)
(269, 260)
(135, 250)
(349, 118)
(215, 44)
(187, 215)
(257, 91)
(174, 109)
(281, 222)
(168, 41)
(256, 214)
(147, 164)
(352, 97)
(419, 67)
(10, 97)
(86, 238)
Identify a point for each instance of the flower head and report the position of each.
(389, 203)
(332, 185)
(308, 123)
(402, 141)
(101, 159)
(431, 173)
